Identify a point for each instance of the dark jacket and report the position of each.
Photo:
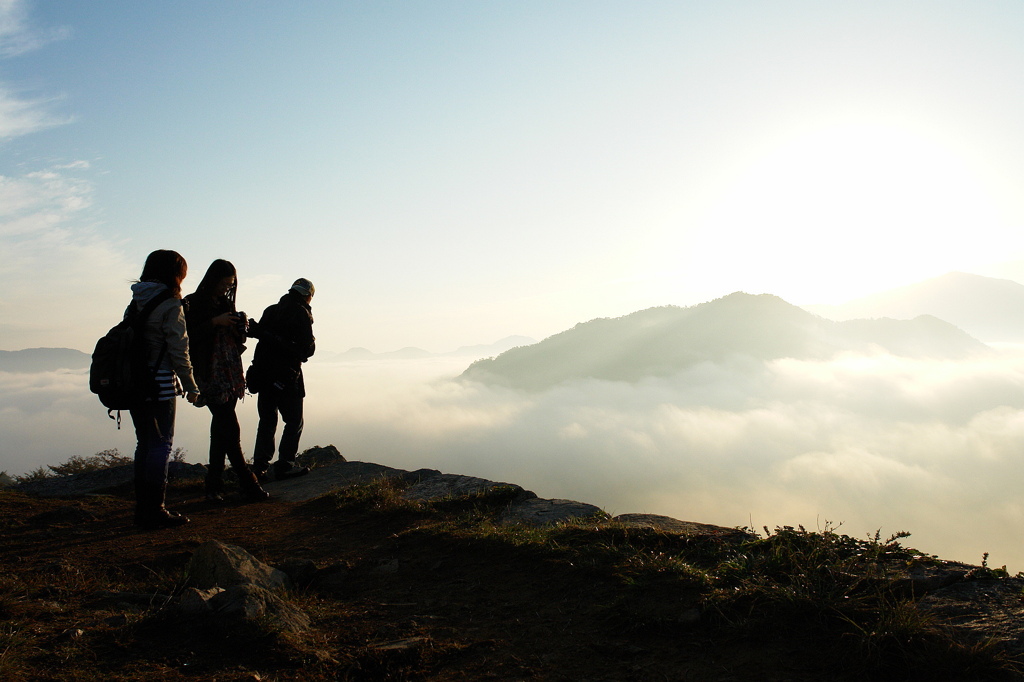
(285, 334)
(199, 314)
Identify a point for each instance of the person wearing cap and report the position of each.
(285, 341)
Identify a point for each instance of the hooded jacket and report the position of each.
(166, 323)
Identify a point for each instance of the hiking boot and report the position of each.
(291, 471)
(249, 487)
(262, 476)
(214, 498)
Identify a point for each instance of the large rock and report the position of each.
(317, 456)
(246, 602)
(455, 485)
(326, 479)
(541, 512)
(216, 564)
(194, 601)
(251, 602)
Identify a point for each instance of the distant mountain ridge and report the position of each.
(413, 353)
(42, 360)
(663, 341)
(987, 308)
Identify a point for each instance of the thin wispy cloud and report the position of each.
(17, 36)
(21, 114)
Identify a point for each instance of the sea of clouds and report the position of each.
(871, 443)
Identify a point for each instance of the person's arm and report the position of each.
(176, 336)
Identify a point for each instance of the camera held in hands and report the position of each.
(242, 323)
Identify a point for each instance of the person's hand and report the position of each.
(225, 320)
(192, 396)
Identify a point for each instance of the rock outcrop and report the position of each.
(226, 581)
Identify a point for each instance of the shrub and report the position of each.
(77, 464)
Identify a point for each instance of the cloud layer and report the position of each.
(869, 442)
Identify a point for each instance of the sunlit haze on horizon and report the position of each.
(454, 173)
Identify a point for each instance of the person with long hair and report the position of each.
(166, 346)
(217, 334)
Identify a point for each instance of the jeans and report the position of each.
(287, 401)
(154, 432)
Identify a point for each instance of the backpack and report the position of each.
(119, 373)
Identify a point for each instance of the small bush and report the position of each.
(77, 464)
(40, 474)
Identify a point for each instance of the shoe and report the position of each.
(291, 472)
(214, 498)
(261, 476)
(249, 487)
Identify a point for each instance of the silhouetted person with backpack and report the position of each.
(285, 334)
(166, 349)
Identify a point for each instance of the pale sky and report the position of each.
(451, 173)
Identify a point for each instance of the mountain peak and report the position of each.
(666, 340)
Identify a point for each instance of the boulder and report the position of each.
(455, 485)
(326, 479)
(541, 512)
(196, 601)
(317, 456)
(252, 602)
(216, 564)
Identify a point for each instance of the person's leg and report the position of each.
(154, 431)
(220, 442)
(230, 439)
(266, 442)
(290, 405)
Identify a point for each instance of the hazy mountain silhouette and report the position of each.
(42, 360)
(662, 341)
(985, 307)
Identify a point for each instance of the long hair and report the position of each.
(218, 270)
(166, 267)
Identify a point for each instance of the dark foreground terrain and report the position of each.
(437, 591)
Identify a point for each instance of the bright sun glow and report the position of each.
(848, 210)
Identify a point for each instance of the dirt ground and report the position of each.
(403, 605)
